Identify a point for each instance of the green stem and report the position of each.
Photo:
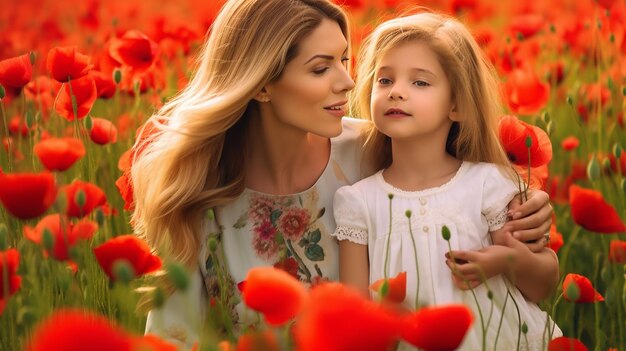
(417, 268)
(306, 270)
(6, 131)
(386, 267)
(506, 299)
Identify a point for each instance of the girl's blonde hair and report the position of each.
(472, 78)
(195, 161)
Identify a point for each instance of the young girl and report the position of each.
(433, 99)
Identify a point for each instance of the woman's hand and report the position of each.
(531, 220)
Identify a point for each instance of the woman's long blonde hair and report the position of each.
(195, 161)
(472, 79)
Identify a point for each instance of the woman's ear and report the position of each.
(262, 96)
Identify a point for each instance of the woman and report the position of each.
(258, 135)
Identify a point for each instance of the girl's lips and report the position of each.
(396, 112)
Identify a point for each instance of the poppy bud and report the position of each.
(445, 233)
(48, 239)
(3, 93)
(572, 292)
(210, 214)
(123, 271)
(30, 120)
(212, 244)
(593, 169)
(3, 237)
(80, 198)
(408, 213)
(617, 150)
(88, 123)
(32, 57)
(570, 100)
(178, 276)
(117, 76)
(390, 196)
(158, 297)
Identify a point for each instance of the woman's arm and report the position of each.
(530, 220)
(354, 266)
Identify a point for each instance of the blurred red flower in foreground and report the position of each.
(130, 248)
(103, 131)
(437, 328)
(396, 287)
(257, 341)
(85, 93)
(59, 154)
(65, 63)
(65, 234)
(513, 134)
(9, 261)
(339, 318)
(586, 292)
(134, 49)
(15, 72)
(592, 212)
(524, 92)
(617, 251)
(27, 195)
(265, 286)
(570, 143)
(566, 344)
(75, 330)
(92, 197)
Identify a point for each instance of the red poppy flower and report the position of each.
(527, 24)
(566, 344)
(125, 188)
(267, 285)
(130, 248)
(570, 143)
(65, 233)
(437, 328)
(592, 212)
(397, 287)
(59, 154)
(151, 342)
(76, 330)
(513, 134)
(94, 197)
(15, 72)
(65, 64)
(103, 131)
(556, 239)
(9, 261)
(617, 251)
(135, 50)
(258, 341)
(340, 318)
(524, 92)
(586, 292)
(27, 195)
(18, 125)
(105, 86)
(85, 92)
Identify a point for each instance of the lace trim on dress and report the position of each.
(498, 220)
(355, 235)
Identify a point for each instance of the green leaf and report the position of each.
(242, 221)
(315, 236)
(314, 252)
(320, 213)
(274, 216)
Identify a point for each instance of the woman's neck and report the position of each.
(282, 159)
(420, 163)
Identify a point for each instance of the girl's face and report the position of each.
(411, 95)
(311, 94)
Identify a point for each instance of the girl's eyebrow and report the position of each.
(418, 69)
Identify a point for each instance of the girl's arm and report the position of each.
(535, 274)
(354, 266)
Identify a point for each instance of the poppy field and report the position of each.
(79, 79)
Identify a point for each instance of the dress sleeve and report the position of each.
(498, 190)
(179, 320)
(350, 215)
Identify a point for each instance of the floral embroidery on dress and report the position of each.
(286, 232)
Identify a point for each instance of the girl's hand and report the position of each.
(531, 220)
(472, 268)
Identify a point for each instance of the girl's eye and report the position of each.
(320, 71)
(384, 81)
(421, 83)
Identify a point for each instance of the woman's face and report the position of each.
(311, 94)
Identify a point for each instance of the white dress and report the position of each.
(471, 204)
(257, 229)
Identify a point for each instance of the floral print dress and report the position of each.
(292, 232)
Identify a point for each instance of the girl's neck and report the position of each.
(282, 159)
(420, 163)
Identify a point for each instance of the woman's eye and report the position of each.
(320, 71)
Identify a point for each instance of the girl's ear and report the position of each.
(262, 96)
(454, 116)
